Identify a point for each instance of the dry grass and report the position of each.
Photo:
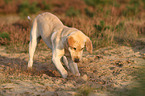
(84, 90)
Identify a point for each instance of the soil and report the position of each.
(109, 71)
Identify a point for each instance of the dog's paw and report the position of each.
(29, 68)
(77, 74)
(30, 63)
(64, 74)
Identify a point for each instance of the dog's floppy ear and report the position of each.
(70, 40)
(89, 45)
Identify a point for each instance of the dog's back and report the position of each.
(46, 24)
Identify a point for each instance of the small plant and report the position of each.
(89, 13)
(95, 3)
(84, 91)
(92, 2)
(46, 6)
(132, 8)
(4, 35)
(125, 33)
(72, 12)
(120, 25)
(25, 8)
(4, 38)
(104, 34)
(101, 26)
(130, 11)
(7, 1)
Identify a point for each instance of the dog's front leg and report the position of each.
(73, 67)
(56, 61)
(60, 68)
(65, 61)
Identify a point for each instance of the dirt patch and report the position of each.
(109, 71)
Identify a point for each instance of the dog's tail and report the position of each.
(30, 20)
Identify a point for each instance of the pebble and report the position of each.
(85, 77)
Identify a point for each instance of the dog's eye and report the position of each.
(74, 48)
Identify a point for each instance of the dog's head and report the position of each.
(76, 43)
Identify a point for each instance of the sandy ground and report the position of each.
(110, 71)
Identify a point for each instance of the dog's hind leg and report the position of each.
(33, 43)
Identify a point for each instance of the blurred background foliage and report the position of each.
(73, 7)
(106, 22)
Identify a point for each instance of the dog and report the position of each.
(66, 43)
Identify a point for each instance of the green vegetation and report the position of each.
(7, 1)
(4, 38)
(89, 13)
(25, 8)
(106, 22)
(84, 90)
(96, 3)
(4, 35)
(101, 26)
(72, 12)
(46, 6)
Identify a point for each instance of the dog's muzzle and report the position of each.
(76, 60)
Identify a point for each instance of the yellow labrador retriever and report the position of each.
(67, 44)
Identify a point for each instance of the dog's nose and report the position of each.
(77, 60)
